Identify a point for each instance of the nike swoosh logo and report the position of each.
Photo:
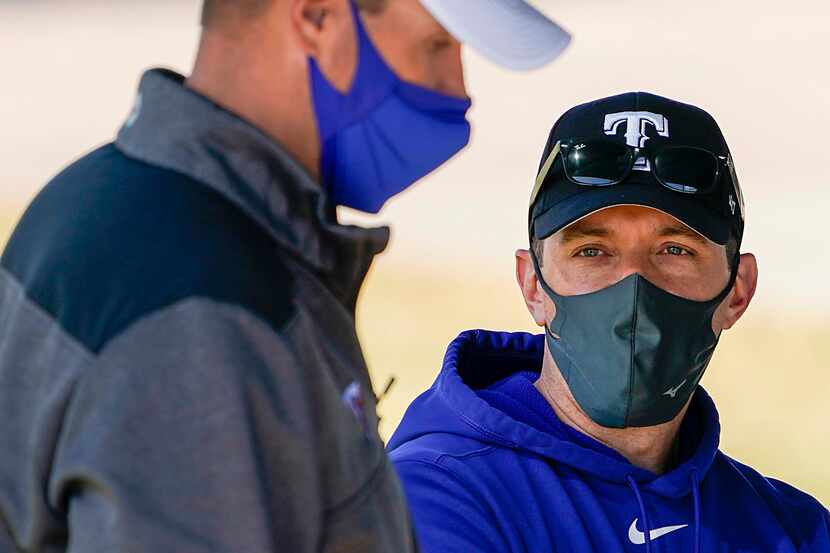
(639, 538)
(673, 391)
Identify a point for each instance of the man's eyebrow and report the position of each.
(679, 230)
(575, 232)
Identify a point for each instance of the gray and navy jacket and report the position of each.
(179, 368)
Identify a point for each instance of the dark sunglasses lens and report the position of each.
(597, 164)
(687, 170)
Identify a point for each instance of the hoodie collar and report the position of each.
(479, 358)
(173, 127)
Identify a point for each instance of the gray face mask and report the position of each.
(632, 353)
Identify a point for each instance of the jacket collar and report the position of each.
(174, 127)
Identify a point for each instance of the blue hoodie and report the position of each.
(487, 467)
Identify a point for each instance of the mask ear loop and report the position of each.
(539, 276)
(733, 276)
(364, 41)
(548, 290)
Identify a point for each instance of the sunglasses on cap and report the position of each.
(598, 163)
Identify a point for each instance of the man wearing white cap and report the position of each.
(179, 367)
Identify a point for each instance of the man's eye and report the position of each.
(590, 252)
(676, 250)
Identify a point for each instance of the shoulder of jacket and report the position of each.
(772, 490)
(112, 239)
(440, 449)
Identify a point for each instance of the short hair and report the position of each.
(538, 247)
(216, 11)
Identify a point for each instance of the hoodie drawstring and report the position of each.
(646, 525)
(696, 495)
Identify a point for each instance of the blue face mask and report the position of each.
(383, 134)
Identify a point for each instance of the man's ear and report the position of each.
(308, 18)
(311, 20)
(738, 300)
(529, 285)
(326, 32)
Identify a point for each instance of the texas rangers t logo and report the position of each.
(635, 130)
(635, 125)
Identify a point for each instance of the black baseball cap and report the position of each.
(644, 120)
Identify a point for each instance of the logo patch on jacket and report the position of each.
(353, 399)
(639, 538)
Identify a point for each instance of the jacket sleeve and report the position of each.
(448, 517)
(193, 431)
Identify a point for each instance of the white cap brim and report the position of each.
(511, 33)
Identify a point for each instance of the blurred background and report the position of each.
(70, 69)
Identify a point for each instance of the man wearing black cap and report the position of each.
(596, 435)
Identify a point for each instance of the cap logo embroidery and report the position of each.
(635, 130)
